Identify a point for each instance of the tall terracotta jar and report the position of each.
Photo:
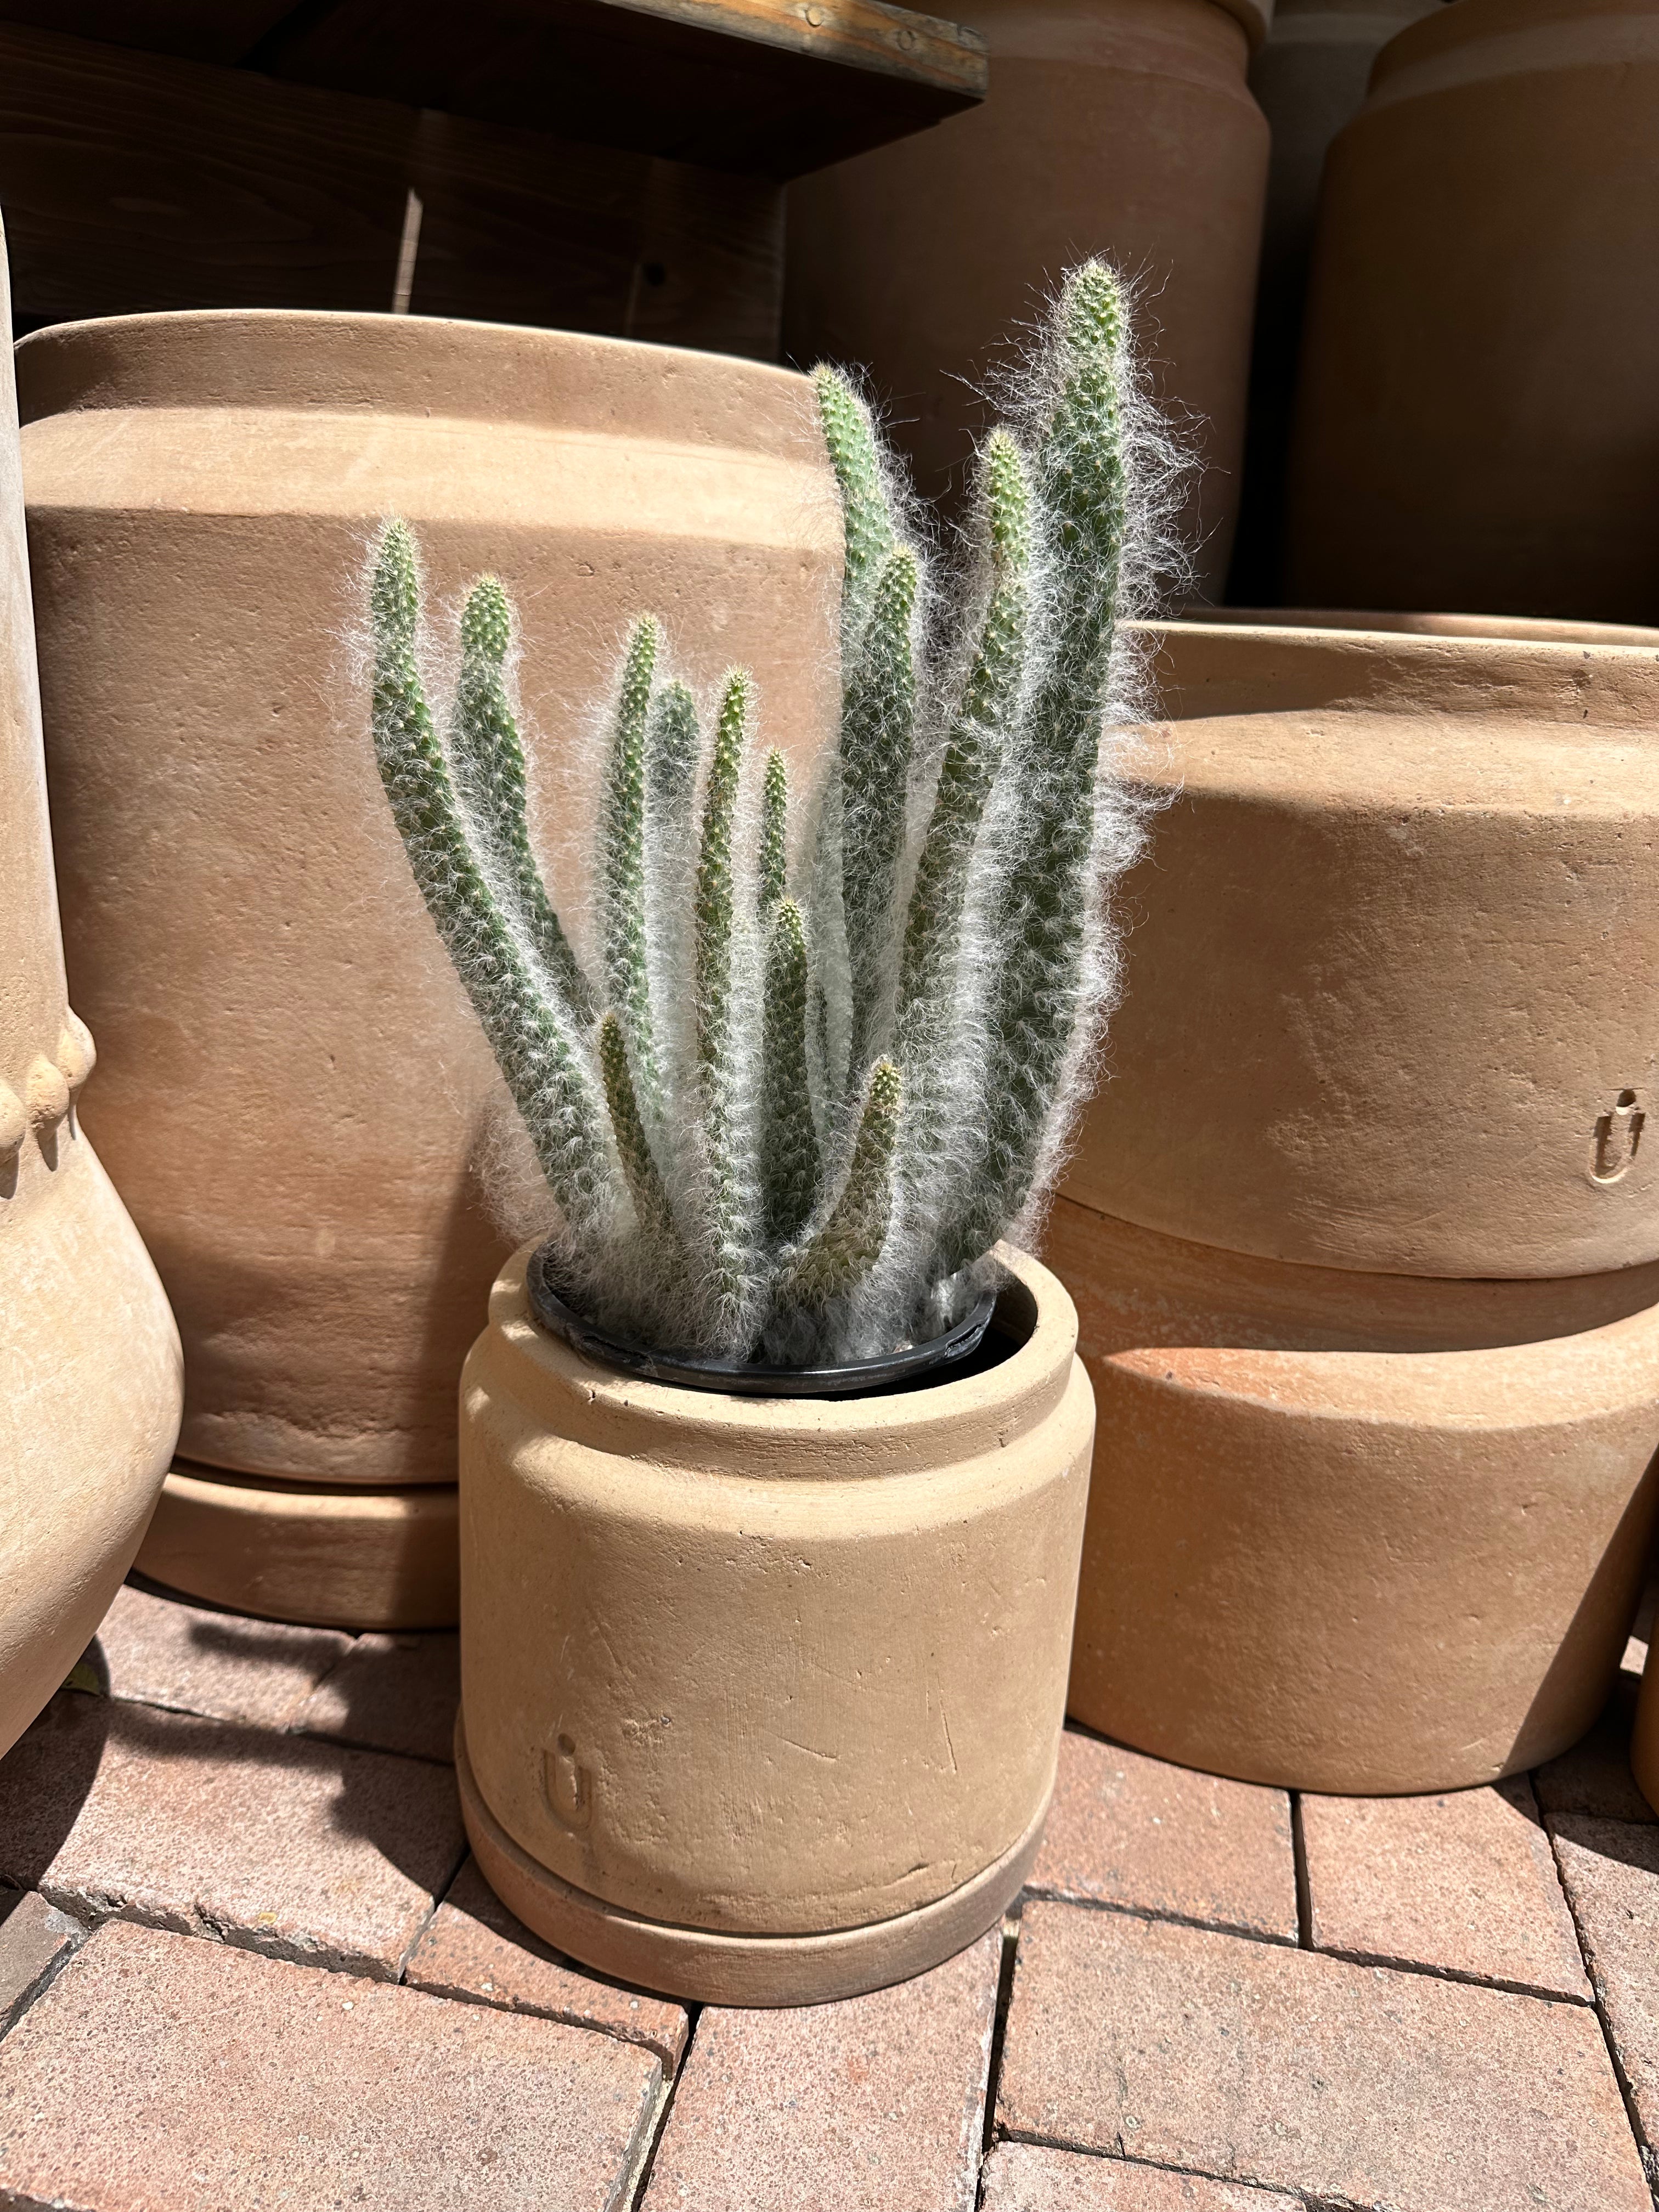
(762, 1696)
(89, 1368)
(1477, 409)
(1122, 127)
(1392, 982)
(297, 1097)
(1308, 79)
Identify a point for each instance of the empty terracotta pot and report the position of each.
(1122, 127)
(1477, 420)
(1355, 1533)
(297, 1092)
(1392, 977)
(761, 1697)
(89, 1356)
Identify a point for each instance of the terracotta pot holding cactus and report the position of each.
(90, 1399)
(773, 1460)
(295, 1099)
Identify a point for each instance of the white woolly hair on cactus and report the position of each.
(811, 1072)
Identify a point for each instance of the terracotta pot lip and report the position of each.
(139, 360)
(690, 1371)
(1007, 1398)
(1429, 628)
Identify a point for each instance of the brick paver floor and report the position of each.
(246, 1963)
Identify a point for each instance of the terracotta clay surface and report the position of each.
(1501, 179)
(89, 1356)
(838, 1698)
(360, 1558)
(202, 488)
(1370, 1016)
(1289, 1529)
(162, 2076)
(1121, 127)
(1259, 2063)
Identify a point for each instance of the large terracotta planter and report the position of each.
(296, 1092)
(89, 1368)
(762, 1699)
(1355, 1533)
(1392, 978)
(1117, 126)
(1478, 407)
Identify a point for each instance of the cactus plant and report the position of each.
(802, 1091)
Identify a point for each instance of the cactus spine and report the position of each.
(792, 1124)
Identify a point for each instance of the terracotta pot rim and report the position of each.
(714, 1432)
(692, 1370)
(1424, 629)
(349, 361)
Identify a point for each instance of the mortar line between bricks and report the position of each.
(1460, 1974)
(285, 1732)
(1165, 1919)
(1303, 1884)
(1644, 2150)
(1310, 2199)
(44, 1980)
(439, 1893)
(1011, 1924)
(666, 2108)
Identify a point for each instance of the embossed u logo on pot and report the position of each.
(1618, 1133)
(569, 1785)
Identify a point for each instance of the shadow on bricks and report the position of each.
(48, 1776)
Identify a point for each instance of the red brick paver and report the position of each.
(1130, 1831)
(1610, 1870)
(163, 2074)
(1256, 2062)
(1031, 2178)
(475, 1948)
(164, 1652)
(875, 2105)
(34, 1937)
(391, 1693)
(305, 1849)
(1464, 1882)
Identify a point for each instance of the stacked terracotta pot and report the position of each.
(89, 1379)
(296, 1095)
(1363, 1229)
(1122, 127)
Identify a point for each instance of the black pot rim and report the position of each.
(741, 1379)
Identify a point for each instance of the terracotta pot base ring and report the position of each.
(362, 1558)
(708, 1966)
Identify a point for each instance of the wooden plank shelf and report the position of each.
(759, 88)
